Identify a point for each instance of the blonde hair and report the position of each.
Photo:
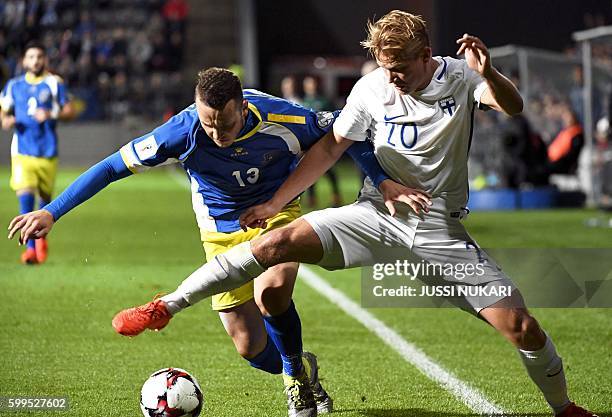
(397, 36)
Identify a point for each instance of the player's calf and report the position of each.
(512, 320)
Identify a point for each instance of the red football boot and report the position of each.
(575, 411)
(29, 257)
(133, 321)
(42, 249)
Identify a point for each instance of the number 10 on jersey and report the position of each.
(408, 143)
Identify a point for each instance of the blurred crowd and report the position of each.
(548, 138)
(119, 57)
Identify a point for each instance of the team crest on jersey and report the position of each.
(239, 152)
(268, 157)
(447, 104)
(324, 119)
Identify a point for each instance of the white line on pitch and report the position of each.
(468, 395)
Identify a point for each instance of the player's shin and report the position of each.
(545, 368)
(224, 272)
(285, 330)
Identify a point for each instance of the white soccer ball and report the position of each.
(171, 392)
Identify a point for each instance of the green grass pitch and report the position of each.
(139, 237)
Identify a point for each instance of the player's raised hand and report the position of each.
(256, 216)
(476, 53)
(394, 192)
(33, 225)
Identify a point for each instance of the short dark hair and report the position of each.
(34, 45)
(217, 86)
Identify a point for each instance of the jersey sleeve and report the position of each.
(88, 184)
(362, 153)
(307, 125)
(355, 118)
(6, 97)
(167, 144)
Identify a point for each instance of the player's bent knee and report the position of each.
(275, 247)
(296, 242)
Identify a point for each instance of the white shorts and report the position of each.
(364, 234)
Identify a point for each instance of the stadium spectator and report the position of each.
(312, 96)
(565, 149)
(289, 89)
(175, 13)
(525, 153)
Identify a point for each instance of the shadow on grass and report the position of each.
(419, 412)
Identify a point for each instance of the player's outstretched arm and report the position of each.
(37, 224)
(502, 95)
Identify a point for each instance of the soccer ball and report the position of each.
(171, 392)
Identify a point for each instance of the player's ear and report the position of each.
(245, 107)
(426, 54)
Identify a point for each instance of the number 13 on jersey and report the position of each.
(252, 175)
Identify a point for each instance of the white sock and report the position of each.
(545, 368)
(224, 272)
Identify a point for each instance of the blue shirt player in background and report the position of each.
(31, 105)
(237, 147)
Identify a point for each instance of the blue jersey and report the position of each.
(227, 181)
(22, 96)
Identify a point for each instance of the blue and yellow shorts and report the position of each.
(215, 243)
(33, 172)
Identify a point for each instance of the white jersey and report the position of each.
(421, 139)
